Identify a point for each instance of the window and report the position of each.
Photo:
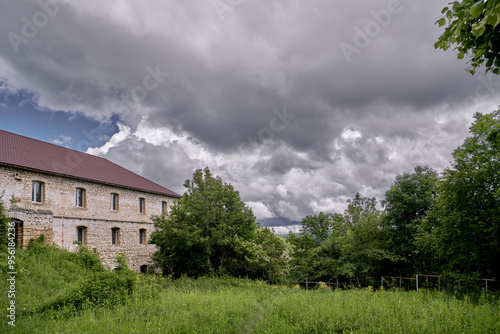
(142, 205)
(142, 236)
(164, 207)
(81, 235)
(80, 197)
(37, 192)
(114, 202)
(115, 236)
(143, 268)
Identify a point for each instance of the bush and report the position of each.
(100, 289)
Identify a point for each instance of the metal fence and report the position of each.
(420, 281)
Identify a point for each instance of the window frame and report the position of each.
(81, 201)
(37, 192)
(142, 205)
(164, 206)
(142, 236)
(115, 200)
(115, 236)
(83, 234)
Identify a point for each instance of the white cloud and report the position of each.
(117, 138)
(260, 210)
(352, 127)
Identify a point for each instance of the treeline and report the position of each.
(441, 223)
(446, 223)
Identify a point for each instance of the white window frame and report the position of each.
(37, 188)
(80, 198)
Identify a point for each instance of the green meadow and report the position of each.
(62, 292)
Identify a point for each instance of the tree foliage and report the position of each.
(313, 248)
(464, 225)
(475, 27)
(363, 243)
(210, 231)
(406, 203)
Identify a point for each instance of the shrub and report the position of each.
(100, 289)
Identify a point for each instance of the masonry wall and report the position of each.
(58, 216)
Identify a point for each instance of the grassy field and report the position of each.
(157, 305)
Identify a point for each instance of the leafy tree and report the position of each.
(210, 231)
(363, 242)
(320, 226)
(272, 262)
(475, 27)
(316, 229)
(406, 203)
(464, 226)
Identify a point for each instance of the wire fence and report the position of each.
(419, 282)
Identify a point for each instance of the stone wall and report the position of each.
(58, 216)
(98, 236)
(34, 224)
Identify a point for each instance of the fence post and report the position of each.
(417, 282)
(382, 281)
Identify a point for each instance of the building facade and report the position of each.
(74, 199)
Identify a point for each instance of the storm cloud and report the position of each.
(298, 104)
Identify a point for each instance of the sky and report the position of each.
(298, 104)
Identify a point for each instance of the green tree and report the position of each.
(320, 226)
(210, 231)
(313, 248)
(475, 27)
(406, 203)
(464, 226)
(363, 241)
(273, 254)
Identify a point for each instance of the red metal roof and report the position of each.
(28, 153)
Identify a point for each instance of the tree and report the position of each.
(406, 203)
(464, 225)
(475, 27)
(320, 226)
(210, 231)
(308, 259)
(363, 241)
(272, 263)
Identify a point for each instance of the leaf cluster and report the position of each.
(474, 26)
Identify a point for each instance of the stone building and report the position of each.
(74, 198)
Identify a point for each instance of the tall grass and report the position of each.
(209, 305)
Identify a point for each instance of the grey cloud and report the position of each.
(225, 78)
